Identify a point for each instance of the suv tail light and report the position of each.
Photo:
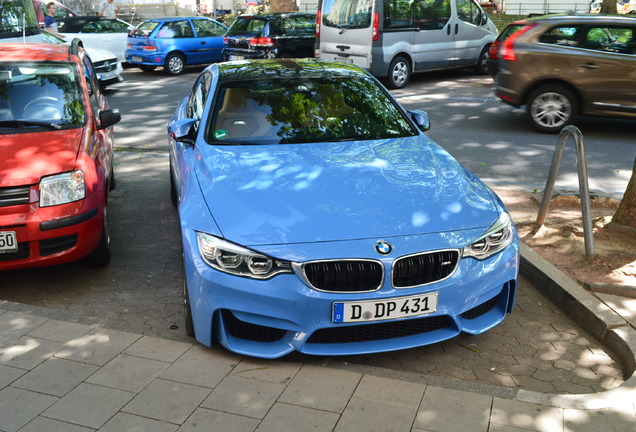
(493, 51)
(261, 42)
(507, 51)
(318, 16)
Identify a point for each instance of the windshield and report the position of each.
(285, 111)
(18, 15)
(40, 93)
(347, 13)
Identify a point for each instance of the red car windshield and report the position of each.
(40, 93)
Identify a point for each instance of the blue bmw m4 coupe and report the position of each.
(316, 216)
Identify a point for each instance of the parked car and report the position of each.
(105, 63)
(317, 216)
(98, 32)
(61, 14)
(175, 43)
(57, 157)
(492, 62)
(270, 35)
(562, 66)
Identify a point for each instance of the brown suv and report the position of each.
(561, 66)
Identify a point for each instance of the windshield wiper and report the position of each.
(13, 123)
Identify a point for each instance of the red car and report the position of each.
(56, 169)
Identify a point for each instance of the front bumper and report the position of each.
(52, 235)
(275, 317)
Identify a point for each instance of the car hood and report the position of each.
(298, 193)
(26, 157)
(100, 54)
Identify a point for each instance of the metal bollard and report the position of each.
(584, 190)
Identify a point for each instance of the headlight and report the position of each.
(497, 238)
(62, 188)
(234, 259)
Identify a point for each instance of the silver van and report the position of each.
(395, 38)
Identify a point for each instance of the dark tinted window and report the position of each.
(611, 39)
(563, 35)
(422, 14)
(303, 110)
(105, 26)
(299, 24)
(246, 26)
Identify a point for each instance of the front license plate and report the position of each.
(343, 59)
(378, 310)
(8, 242)
(137, 59)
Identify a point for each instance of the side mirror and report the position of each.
(182, 131)
(108, 118)
(421, 119)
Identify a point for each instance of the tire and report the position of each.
(481, 68)
(147, 68)
(187, 309)
(173, 191)
(399, 73)
(551, 108)
(100, 257)
(174, 64)
(112, 182)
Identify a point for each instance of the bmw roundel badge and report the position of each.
(383, 248)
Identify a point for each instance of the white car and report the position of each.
(107, 67)
(98, 32)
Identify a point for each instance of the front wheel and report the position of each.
(187, 309)
(399, 73)
(481, 68)
(100, 257)
(174, 64)
(551, 108)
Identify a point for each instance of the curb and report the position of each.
(595, 317)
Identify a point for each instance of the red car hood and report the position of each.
(28, 157)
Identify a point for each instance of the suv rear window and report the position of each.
(246, 26)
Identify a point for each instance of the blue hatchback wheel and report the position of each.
(174, 64)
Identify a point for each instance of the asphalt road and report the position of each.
(537, 347)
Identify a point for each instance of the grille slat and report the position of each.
(11, 196)
(344, 276)
(424, 268)
(380, 331)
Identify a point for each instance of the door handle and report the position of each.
(589, 66)
(448, 29)
(456, 28)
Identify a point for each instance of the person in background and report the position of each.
(107, 9)
(50, 23)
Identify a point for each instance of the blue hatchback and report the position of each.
(175, 42)
(317, 216)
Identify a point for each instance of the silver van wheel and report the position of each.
(399, 73)
(551, 108)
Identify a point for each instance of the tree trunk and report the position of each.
(282, 6)
(608, 7)
(626, 212)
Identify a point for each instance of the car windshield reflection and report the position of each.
(288, 111)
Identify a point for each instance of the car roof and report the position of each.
(35, 51)
(176, 18)
(581, 18)
(284, 68)
(269, 15)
